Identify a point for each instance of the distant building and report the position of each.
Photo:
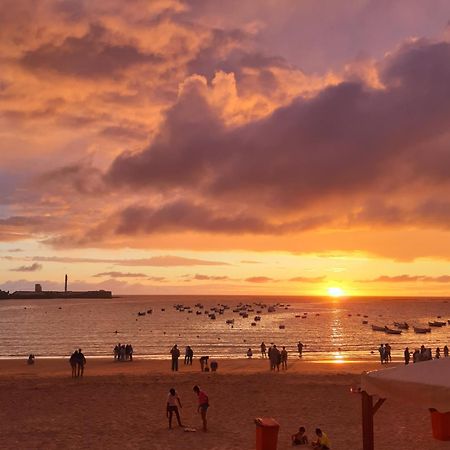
(37, 288)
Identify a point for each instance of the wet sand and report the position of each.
(121, 405)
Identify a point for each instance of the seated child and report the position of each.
(300, 437)
(322, 443)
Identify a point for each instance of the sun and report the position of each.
(335, 292)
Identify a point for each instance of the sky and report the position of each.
(280, 147)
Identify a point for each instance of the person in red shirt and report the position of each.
(203, 405)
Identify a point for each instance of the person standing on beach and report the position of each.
(387, 353)
(445, 351)
(263, 350)
(381, 350)
(284, 357)
(81, 362)
(190, 356)
(300, 349)
(175, 352)
(275, 358)
(407, 357)
(173, 401)
(73, 363)
(186, 355)
(203, 405)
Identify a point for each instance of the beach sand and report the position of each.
(121, 405)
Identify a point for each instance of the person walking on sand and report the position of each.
(81, 362)
(173, 401)
(300, 349)
(445, 351)
(203, 405)
(275, 358)
(263, 350)
(73, 363)
(175, 352)
(387, 353)
(284, 357)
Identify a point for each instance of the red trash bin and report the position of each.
(266, 433)
(440, 425)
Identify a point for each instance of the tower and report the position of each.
(65, 284)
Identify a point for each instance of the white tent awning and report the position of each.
(425, 384)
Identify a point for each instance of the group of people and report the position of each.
(265, 351)
(385, 353)
(173, 402)
(123, 352)
(322, 441)
(424, 354)
(77, 362)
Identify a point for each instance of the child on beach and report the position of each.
(173, 401)
(300, 437)
(322, 443)
(203, 404)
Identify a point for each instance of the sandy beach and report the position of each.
(122, 406)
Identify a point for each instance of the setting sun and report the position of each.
(335, 292)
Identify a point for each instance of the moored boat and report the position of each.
(421, 330)
(378, 328)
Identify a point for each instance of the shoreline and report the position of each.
(107, 367)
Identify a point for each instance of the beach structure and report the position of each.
(426, 384)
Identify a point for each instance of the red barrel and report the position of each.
(440, 425)
(266, 433)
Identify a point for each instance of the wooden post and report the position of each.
(367, 421)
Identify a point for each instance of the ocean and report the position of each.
(331, 330)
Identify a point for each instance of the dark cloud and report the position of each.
(120, 275)
(32, 268)
(93, 55)
(345, 142)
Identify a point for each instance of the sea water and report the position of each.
(331, 329)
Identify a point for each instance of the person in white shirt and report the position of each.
(173, 401)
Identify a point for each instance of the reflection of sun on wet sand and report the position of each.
(123, 405)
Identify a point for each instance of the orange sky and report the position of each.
(173, 146)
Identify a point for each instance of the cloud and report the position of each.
(343, 143)
(307, 279)
(32, 268)
(408, 279)
(154, 261)
(202, 277)
(259, 280)
(119, 275)
(92, 55)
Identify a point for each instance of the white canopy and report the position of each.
(425, 383)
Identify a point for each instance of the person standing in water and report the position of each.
(300, 349)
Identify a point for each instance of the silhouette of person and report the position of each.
(175, 352)
(73, 363)
(81, 362)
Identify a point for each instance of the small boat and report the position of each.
(391, 331)
(378, 328)
(282, 327)
(401, 325)
(365, 322)
(141, 313)
(257, 318)
(297, 316)
(230, 321)
(436, 323)
(420, 330)
(253, 324)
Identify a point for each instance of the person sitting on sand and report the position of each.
(203, 405)
(300, 437)
(322, 443)
(249, 353)
(173, 401)
(73, 363)
(31, 359)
